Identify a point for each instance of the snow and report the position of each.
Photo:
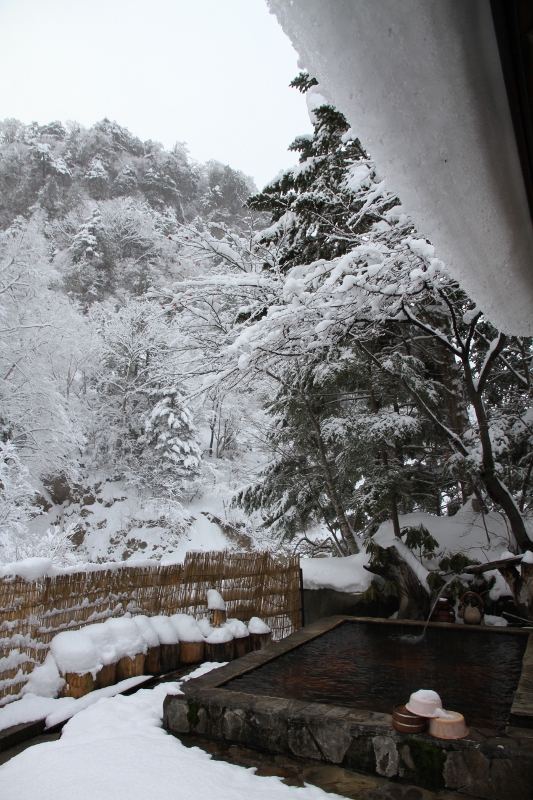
(385, 537)
(45, 679)
(257, 625)
(31, 569)
(341, 574)
(495, 622)
(466, 532)
(33, 707)
(220, 635)
(165, 630)
(75, 651)
(527, 558)
(126, 637)
(117, 748)
(91, 647)
(104, 640)
(205, 627)
(146, 629)
(407, 76)
(215, 601)
(238, 628)
(187, 628)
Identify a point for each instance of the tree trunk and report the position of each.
(497, 491)
(329, 483)
(414, 599)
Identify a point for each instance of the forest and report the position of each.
(299, 353)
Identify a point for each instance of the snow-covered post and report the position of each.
(260, 633)
(217, 607)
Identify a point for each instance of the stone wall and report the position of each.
(487, 764)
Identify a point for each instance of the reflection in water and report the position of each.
(360, 665)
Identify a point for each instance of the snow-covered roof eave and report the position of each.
(420, 81)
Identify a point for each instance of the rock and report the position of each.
(455, 772)
(386, 756)
(302, 743)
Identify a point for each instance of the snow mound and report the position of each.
(147, 630)
(205, 627)
(341, 574)
(102, 636)
(45, 679)
(238, 628)
(215, 601)
(187, 628)
(257, 625)
(220, 635)
(126, 636)
(165, 630)
(75, 651)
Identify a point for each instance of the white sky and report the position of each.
(212, 73)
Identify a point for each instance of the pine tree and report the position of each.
(171, 453)
(320, 199)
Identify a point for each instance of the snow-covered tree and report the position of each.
(171, 454)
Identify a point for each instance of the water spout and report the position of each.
(410, 638)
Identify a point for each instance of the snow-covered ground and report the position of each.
(117, 749)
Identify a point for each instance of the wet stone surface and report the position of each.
(299, 772)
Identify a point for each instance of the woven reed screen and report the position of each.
(31, 613)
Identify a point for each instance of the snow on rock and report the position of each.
(220, 635)
(342, 574)
(75, 651)
(187, 628)
(385, 539)
(238, 628)
(256, 625)
(165, 630)
(527, 558)
(215, 601)
(117, 748)
(466, 531)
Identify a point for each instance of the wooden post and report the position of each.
(78, 685)
(218, 617)
(220, 651)
(192, 652)
(107, 676)
(243, 645)
(152, 661)
(130, 667)
(260, 640)
(170, 657)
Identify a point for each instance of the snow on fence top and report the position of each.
(33, 609)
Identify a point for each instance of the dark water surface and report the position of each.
(365, 665)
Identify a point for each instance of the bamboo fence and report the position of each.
(33, 612)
